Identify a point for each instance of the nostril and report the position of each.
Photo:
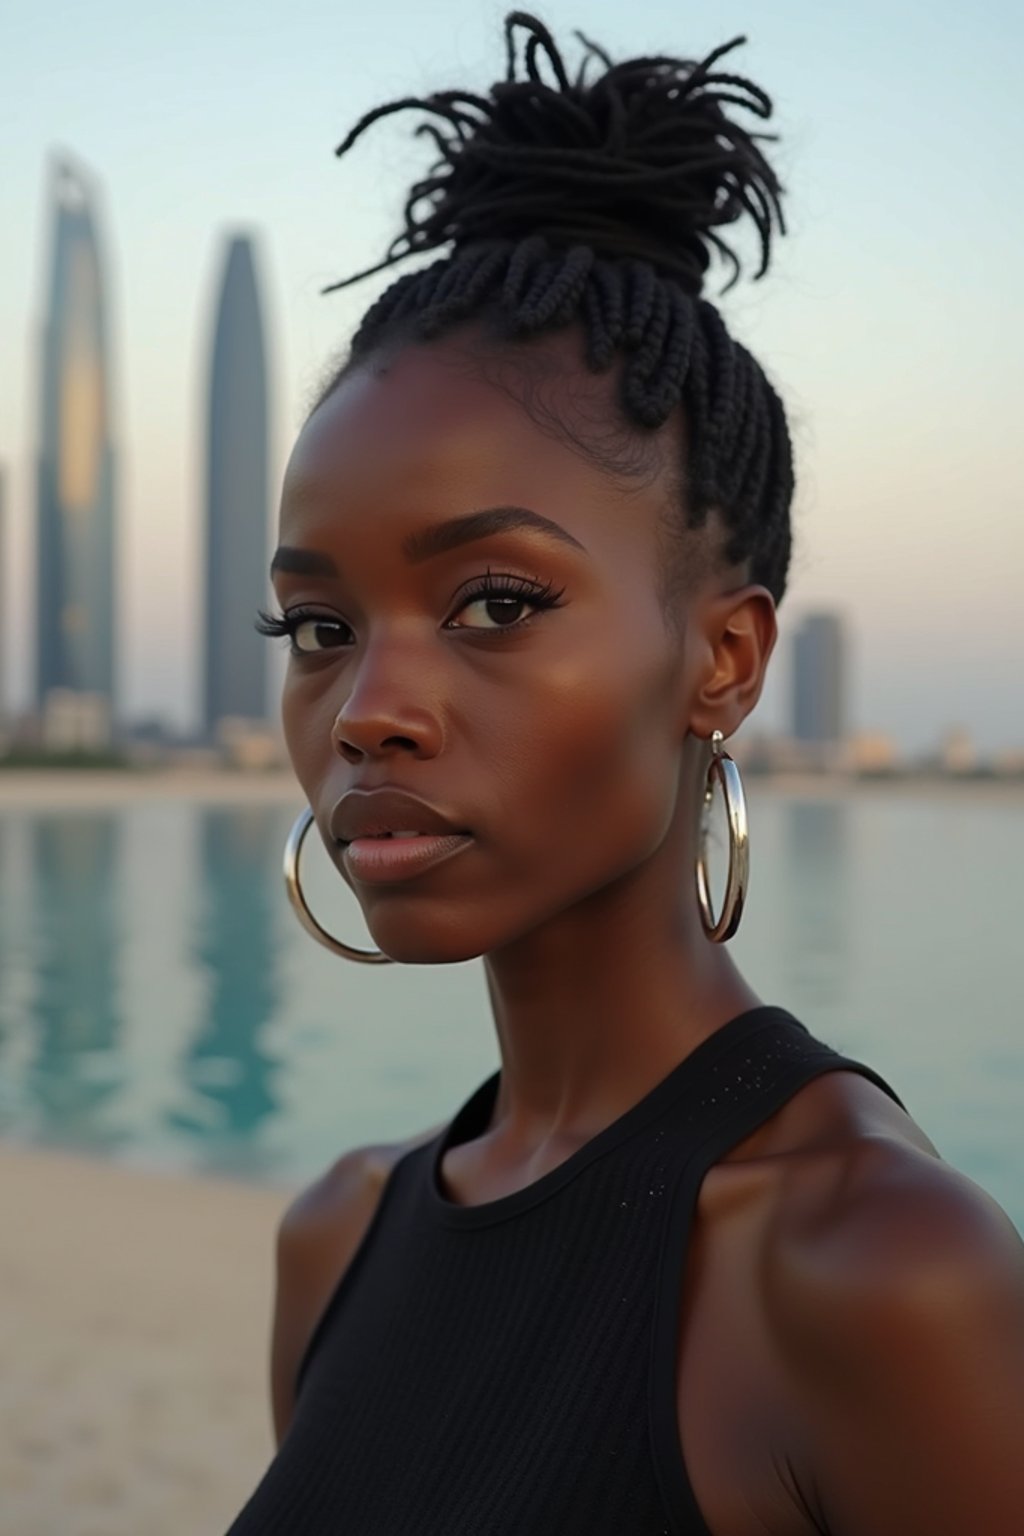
(357, 736)
(355, 754)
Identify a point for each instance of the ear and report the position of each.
(731, 636)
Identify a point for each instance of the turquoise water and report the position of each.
(159, 1003)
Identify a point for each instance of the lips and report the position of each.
(389, 837)
(388, 813)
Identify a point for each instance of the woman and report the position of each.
(680, 1266)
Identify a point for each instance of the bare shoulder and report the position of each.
(867, 1216)
(896, 1294)
(318, 1235)
(884, 1222)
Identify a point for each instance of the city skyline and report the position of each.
(890, 327)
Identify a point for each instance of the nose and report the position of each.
(385, 713)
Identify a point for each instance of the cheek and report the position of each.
(598, 765)
(306, 720)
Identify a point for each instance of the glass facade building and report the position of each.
(819, 679)
(237, 498)
(75, 589)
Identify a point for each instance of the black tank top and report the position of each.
(508, 1369)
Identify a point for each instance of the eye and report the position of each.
(317, 634)
(308, 634)
(491, 613)
(498, 602)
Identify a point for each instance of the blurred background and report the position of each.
(176, 1056)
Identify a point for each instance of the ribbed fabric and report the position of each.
(507, 1369)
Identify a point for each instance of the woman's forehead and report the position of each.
(441, 423)
(419, 408)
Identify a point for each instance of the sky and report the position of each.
(891, 322)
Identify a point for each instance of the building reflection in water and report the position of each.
(816, 902)
(228, 1068)
(6, 913)
(77, 1070)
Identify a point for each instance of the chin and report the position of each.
(423, 940)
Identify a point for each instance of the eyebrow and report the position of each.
(437, 540)
(302, 562)
(480, 525)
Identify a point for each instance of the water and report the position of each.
(159, 1002)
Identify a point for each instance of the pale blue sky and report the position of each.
(892, 322)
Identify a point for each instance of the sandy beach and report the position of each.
(134, 1329)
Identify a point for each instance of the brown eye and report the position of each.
(493, 612)
(312, 635)
(503, 601)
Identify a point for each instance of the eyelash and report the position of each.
(540, 595)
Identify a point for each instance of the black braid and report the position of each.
(596, 203)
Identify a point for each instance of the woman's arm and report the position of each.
(903, 1322)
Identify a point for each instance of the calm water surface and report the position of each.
(159, 1003)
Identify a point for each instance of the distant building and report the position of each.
(75, 721)
(873, 752)
(75, 523)
(251, 745)
(237, 499)
(1009, 762)
(819, 680)
(957, 752)
(4, 704)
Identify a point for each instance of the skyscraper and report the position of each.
(237, 497)
(75, 486)
(819, 679)
(3, 594)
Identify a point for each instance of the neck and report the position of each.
(595, 1008)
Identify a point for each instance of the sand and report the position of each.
(134, 1334)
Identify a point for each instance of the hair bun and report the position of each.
(641, 161)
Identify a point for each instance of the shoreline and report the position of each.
(134, 1341)
(74, 789)
(138, 1165)
(905, 787)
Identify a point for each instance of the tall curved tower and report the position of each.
(237, 497)
(75, 485)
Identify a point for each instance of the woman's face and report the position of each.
(476, 611)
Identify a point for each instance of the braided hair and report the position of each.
(595, 202)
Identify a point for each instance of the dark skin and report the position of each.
(851, 1346)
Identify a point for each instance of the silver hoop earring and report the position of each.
(292, 849)
(723, 770)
